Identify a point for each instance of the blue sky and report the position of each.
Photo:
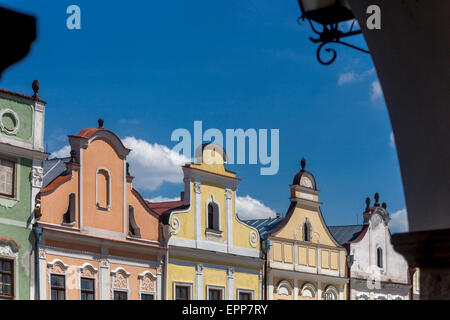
(151, 67)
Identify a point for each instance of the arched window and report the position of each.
(103, 189)
(379, 257)
(308, 291)
(69, 215)
(213, 216)
(330, 293)
(307, 230)
(133, 228)
(284, 288)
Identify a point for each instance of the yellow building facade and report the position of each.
(304, 261)
(212, 254)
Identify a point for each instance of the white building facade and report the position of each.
(377, 271)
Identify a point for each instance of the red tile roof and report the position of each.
(88, 132)
(56, 183)
(161, 207)
(21, 95)
(11, 241)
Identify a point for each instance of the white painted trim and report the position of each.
(80, 188)
(194, 173)
(14, 131)
(199, 281)
(38, 125)
(252, 293)
(307, 276)
(286, 285)
(214, 246)
(14, 223)
(7, 252)
(229, 216)
(184, 284)
(222, 289)
(309, 286)
(230, 284)
(208, 265)
(153, 278)
(270, 293)
(42, 274)
(73, 253)
(80, 270)
(260, 284)
(64, 267)
(127, 278)
(319, 290)
(333, 290)
(125, 211)
(24, 150)
(219, 257)
(198, 210)
(105, 280)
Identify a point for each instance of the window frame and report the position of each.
(188, 285)
(58, 288)
(245, 291)
(12, 276)
(215, 288)
(213, 203)
(13, 180)
(87, 291)
(148, 294)
(120, 291)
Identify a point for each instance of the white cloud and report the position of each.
(392, 140)
(347, 77)
(153, 164)
(248, 208)
(163, 199)
(399, 221)
(61, 153)
(376, 90)
(353, 77)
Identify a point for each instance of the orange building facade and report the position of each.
(97, 237)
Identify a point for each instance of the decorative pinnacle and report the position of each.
(376, 197)
(128, 169)
(367, 204)
(384, 205)
(303, 164)
(100, 123)
(35, 85)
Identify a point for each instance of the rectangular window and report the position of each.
(145, 296)
(7, 177)
(87, 289)
(245, 296)
(58, 287)
(182, 292)
(6, 278)
(120, 295)
(215, 294)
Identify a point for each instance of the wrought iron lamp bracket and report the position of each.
(331, 34)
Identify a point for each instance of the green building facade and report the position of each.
(21, 175)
